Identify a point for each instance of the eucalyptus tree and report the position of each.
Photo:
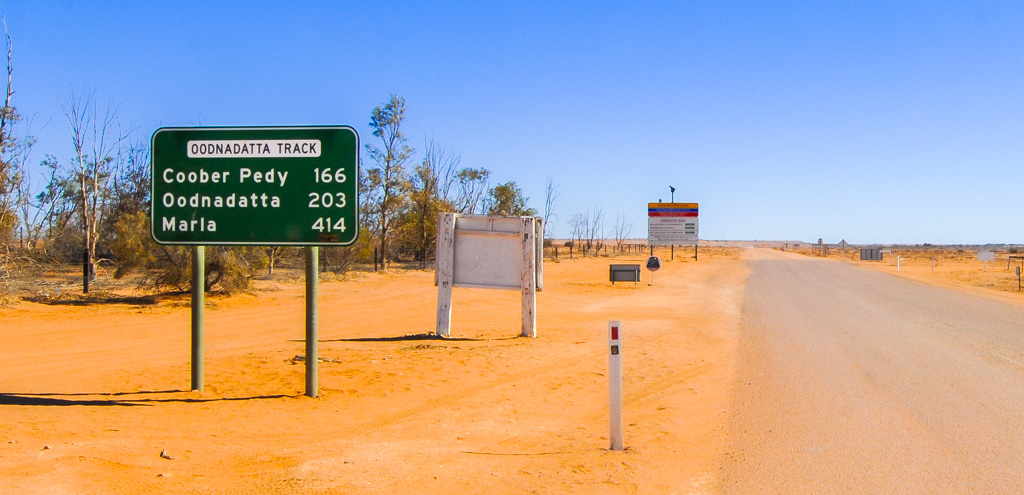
(386, 184)
(96, 139)
(508, 200)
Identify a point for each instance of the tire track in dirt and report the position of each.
(531, 374)
(644, 394)
(451, 398)
(636, 397)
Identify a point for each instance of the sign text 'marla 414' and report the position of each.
(255, 186)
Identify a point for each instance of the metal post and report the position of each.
(673, 258)
(85, 271)
(695, 250)
(312, 356)
(615, 384)
(198, 303)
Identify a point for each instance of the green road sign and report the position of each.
(255, 186)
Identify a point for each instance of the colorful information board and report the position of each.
(672, 223)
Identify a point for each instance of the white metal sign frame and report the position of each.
(491, 253)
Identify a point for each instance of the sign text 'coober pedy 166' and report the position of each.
(255, 186)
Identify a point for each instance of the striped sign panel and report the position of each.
(672, 209)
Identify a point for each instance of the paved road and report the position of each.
(852, 381)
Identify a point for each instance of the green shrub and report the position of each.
(170, 267)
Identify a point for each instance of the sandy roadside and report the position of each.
(91, 396)
(994, 281)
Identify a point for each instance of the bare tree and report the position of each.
(444, 166)
(10, 176)
(438, 184)
(551, 193)
(96, 139)
(426, 198)
(580, 224)
(387, 184)
(595, 229)
(621, 229)
(13, 156)
(462, 189)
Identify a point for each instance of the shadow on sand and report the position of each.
(413, 338)
(112, 399)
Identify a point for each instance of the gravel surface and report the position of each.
(851, 381)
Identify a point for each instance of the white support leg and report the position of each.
(528, 278)
(445, 257)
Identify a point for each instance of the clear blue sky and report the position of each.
(874, 122)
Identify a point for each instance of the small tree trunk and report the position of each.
(85, 271)
(274, 253)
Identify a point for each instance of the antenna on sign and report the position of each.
(673, 191)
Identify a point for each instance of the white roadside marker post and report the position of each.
(615, 384)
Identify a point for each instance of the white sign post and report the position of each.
(615, 384)
(984, 257)
(653, 264)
